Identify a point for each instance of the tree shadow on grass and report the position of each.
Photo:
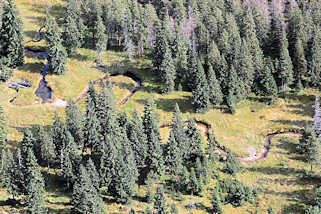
(276, 170)
(299, 123)
(33, 67)
(79, 57)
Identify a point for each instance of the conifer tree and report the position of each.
(192, 67)
(160, 205)
(285, 72)
(57, 55)
(159, 46)
(155, 160)
(3, 130)
(313, 150)
(167, 71)
(219, 65)
(150, 120)
(195, 185)
(268, 86)
(57, 134)
(101, 38)
(313, 210)
(11, 36)
(317, 117)
(216, 203)
(233, 165)
(270, 210)
(200, 91)
(180, 56)
(92, 135)
(245, 68)
(47, 147)
(138, 139)
(299, 63)
(215, 91)
(179, 131)
(148, 210)
(173, 156)
(173, 209)
(9, 178)
(85, 198)
(5, 72)
(27, 142)
(194, 141)
(75, 122)
(233, 90)
(314, 63)
(35, 187)
(73, 29)
(93, 174)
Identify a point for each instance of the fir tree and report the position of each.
(200, 91)
(93, 174)
(57, 55)
(159, 46)
(268, 86)
(167, 71)
(11, 36)
(317, 117)
(150, 120)
(85, 198)
(73, 35)
(313, 150)
(233, 90)
(3, 130)
(75, 122)
(155, 161)
(285, 72)
(160, 205)
(173, 156)
(180, 56)
(101, 40)
(233, 165)
(299, 63)
(9, 178)
(35, 187)
(215, 91)
(216, 203)
(57, 134)
(137, 139)
(178, 131)
(245, 68)
(195, 185)
(314, 63)
(5, 72)
(92, 135)
(47, 147)
(27, 142)
(194, 141)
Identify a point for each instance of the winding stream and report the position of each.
(45, 93)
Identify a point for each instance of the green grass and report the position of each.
(280, 175)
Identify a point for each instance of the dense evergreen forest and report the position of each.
(220, 50)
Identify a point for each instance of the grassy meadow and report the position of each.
(280, 176)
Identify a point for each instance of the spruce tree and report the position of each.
(317, 117)
(92, 136)
(8, 176)
(47, 147)
(57, 134)
(73, 35)
(75, 122)
(3, 130)
(101, 38)
(214, 87)
(93, 174)
(150, 120)
(314, 63)
(180, 57)
(160, 205)
(194, 141)
(35, 187)
(11, 36)
(200, 98)
(159, 46)
(313, 150)
(138, 139)
(5, 72)
(57, 55)
(299, 63)
(285, 72)
(195, 185)
(178, 132)
(245, 68)
(216, 203)
(85, 198)
(27, 142)
(268, 86)
(167, 71)
(233, 90)
(233, 165)
(173, 155)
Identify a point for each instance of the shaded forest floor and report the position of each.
(280, 176)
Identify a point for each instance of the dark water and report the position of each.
(43, 91)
